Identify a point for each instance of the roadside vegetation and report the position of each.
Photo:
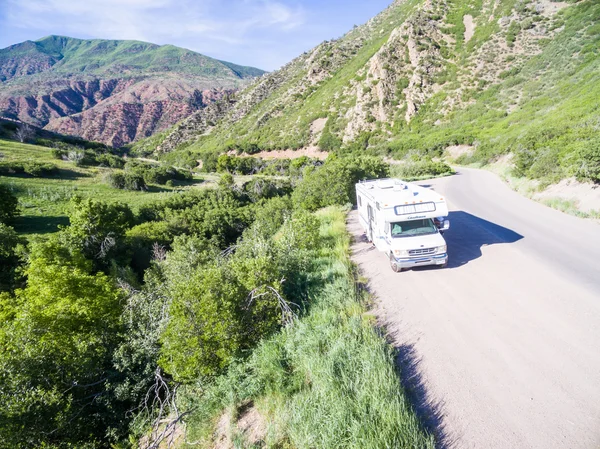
(326, 380)
(128, 326)
(415, 169)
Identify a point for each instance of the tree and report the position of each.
(9, 259)
(97, 228)
(9, 205)
(24, 132)
(334, 182)
(57, 337)
(204, 333)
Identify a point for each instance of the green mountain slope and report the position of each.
(505, 76)
(108, 90)
(65, 55)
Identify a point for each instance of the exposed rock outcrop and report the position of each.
(115, 92)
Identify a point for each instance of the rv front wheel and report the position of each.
(394, 264)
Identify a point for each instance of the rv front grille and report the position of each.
(422, 252)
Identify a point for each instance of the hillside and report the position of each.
(506, 76)
(108, 90)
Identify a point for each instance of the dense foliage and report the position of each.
(179, 290)
(252, 165)
(420, 168)
(9, 205)
(34, 169)
(334, 182)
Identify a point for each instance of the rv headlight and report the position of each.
(401, 252)
(442, 249)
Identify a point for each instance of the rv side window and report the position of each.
(359, 200)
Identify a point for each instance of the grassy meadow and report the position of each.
(44, 201)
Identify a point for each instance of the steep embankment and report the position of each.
(518, 76)
(110, 91)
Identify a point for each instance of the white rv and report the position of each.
(405, 221)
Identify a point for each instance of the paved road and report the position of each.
(502, 348)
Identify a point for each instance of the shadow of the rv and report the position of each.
(468, 234)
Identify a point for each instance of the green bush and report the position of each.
(57, 338)
(35, 169)
(334, 182)
(588, 157)
(126, 181)
(261, 188)
(98, 228)
(156, 174)
(9, 259)
(9, 205)
(421, 169)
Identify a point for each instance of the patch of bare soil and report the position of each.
(455, 151)
(469, 27)
(222, 439)
(250, 424)
(585, 195)
(550, 7)
(312, 152)
(316, 127)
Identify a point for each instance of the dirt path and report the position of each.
(501, 349)
(469, 27)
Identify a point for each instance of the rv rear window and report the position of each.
(414, 208)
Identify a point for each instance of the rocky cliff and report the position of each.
(499, 76)
(110, 91)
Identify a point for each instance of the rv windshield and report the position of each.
(413, 227)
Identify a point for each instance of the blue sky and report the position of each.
(262, 33)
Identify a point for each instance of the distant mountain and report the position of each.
(519, 78)
(108, 90)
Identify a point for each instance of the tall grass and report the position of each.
(327, 381)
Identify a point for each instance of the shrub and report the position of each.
(421, 169)
(35, 169)
(9, 259)
(588, 156)
(97, 228)
(9, 205)
(262, 188)
(58, 336)
(334, 182)
(156, 174)
(126, 181)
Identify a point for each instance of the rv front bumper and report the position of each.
(438, 259)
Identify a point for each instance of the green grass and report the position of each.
(328, 380)
(44, 202)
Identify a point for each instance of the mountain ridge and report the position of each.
(113, 91)
(425, 75)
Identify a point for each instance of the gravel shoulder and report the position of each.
(502, 348)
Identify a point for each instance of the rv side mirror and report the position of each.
(446, 225)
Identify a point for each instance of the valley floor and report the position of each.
(500, 349)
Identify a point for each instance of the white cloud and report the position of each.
(155, 20)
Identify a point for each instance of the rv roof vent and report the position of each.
(386, 184)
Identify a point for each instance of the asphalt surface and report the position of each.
(502, 348)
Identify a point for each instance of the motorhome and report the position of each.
(405, 221)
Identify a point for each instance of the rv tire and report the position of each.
(395, 267)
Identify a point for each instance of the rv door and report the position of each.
(371, 220)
